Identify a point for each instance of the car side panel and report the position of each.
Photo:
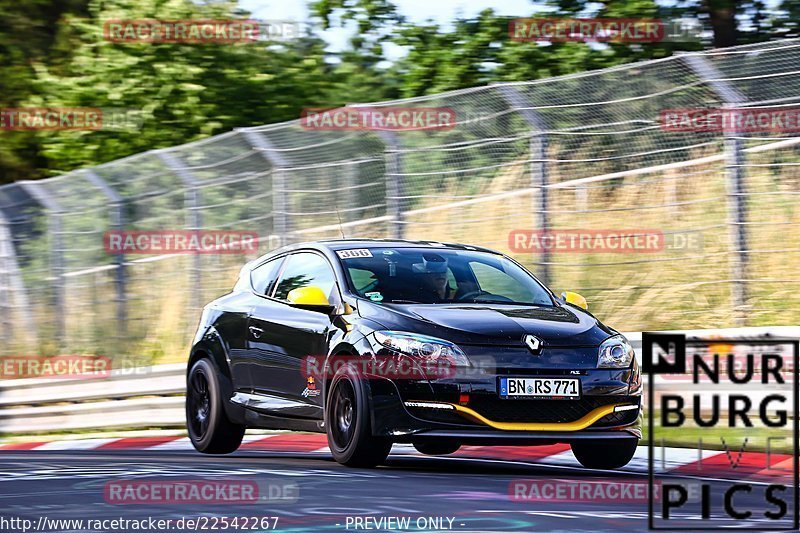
(288, 336)
(229, 318)
(212, 345)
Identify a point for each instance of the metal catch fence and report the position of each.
(587, 151)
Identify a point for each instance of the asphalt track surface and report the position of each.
(43, 486)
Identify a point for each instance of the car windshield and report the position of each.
(439, 275)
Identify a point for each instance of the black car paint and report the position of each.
(270, 366)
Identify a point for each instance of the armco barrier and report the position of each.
(132, 398)
(152, 397)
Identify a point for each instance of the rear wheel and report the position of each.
(347, 421)
(437, 448)
(604, 454)
(209, 428)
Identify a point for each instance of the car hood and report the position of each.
(492, 324)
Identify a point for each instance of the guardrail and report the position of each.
(152, 397)
(144, 397)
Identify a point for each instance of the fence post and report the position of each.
(539, 179)
(350, 195)
(194, 222)
(6, 308)
(395, 184)
(734, 183)
(54, 213)
(280, 211)
(117, 223)
(19, 305)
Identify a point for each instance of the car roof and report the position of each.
(341, 244)
(344, 244)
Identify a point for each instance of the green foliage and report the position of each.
(180, 92)
(52, 53)
(27, 35)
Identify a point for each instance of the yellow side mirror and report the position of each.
(311, 296)
(575, 299)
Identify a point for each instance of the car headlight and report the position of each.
(427, 348)
(615, 352)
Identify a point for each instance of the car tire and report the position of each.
(437, 448)
(605, 454)
(209, 428)
(347, 422)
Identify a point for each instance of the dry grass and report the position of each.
(669, 289)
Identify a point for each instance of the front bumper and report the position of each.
(471, 411)
(516, 438)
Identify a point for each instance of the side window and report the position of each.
(306, 269)
(263, 277)
(363, 280)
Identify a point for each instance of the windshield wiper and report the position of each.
(401, 302)
(505, 302)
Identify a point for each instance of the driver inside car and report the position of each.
(434, 280)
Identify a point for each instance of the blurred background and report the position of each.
(549, 136)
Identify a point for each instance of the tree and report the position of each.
(180, 92)
(731, 22)
(27, 35)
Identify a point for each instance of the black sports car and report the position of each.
(437, 345)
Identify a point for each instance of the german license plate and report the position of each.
(540, 388)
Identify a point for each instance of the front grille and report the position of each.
(499, 410)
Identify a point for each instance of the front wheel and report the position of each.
(209, 428)
(605, 454)
(347, 422)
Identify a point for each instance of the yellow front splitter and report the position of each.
(577, 425)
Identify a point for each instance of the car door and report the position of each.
(283, 335)
(259, 281)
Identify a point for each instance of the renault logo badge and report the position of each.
(533, 343)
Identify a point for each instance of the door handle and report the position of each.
(257, 332)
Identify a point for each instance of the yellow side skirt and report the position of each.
(582, 423)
